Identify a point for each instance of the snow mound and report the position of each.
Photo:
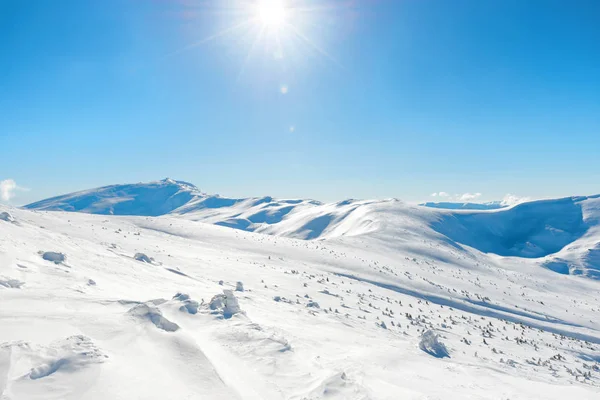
(22, 362)
(337, 386)
(55, 257)
(142, 258)
(225, 304)
(6, 216)
(431, 345)
(71, 354)
(149, 311)
(11, 283)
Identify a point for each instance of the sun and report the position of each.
(271, 13)
(282, 30)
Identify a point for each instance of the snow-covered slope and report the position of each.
(169, 196)
(151, 199)
(562, 235)
(384, 306)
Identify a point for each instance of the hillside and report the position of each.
(382, 307)
(562, 235)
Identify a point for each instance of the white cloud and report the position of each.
(7, 189)
(511, 200)
(469, 196)
(440, 194)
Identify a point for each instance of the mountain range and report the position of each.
(158, 291)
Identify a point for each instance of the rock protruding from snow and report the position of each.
(225, 304)
(5, 216)
(56, 258)
(431, 345)
(142, 258)
(151, 312)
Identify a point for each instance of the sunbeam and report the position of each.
(286, 28)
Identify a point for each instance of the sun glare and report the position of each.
(282, 30)
(271, 13)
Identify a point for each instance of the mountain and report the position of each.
(562, 235)
(149, 199)
(385, 300)
(171, 197)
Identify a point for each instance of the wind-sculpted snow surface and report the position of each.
(229, 314)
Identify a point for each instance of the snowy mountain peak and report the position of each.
(147, 199)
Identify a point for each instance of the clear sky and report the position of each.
(321, 99)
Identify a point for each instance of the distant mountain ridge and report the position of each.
(563, 235)
(148, 199)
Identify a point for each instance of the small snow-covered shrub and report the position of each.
(189, 305)
(431, 345)
(225, 304)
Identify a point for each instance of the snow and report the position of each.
(430, 344)
(6, 217)
(346, 300)
(154, 198)
(225, 304)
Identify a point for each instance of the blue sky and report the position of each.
(388, 98)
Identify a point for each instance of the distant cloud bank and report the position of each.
(8, 187)
(511, 199)
(469, 196)
(508, 200)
